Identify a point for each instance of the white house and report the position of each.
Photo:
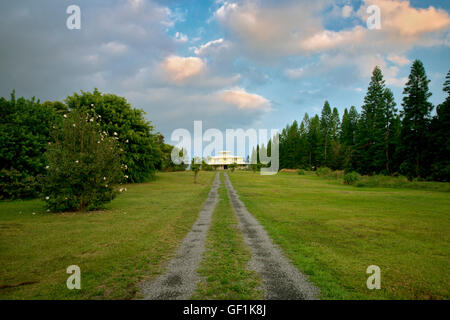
(224, 159)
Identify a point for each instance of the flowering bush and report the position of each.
(134, 134)
(84, 166)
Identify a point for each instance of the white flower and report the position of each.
(46, 198)
(126, 177)
(47, 167)
(48, 210)
(125, 189)
(91, 120)
(74, 125)
(115, 133)
(121, 189)
(49, 143)
(126, 141)
(76, 161)
(98, 141)
(34, 213)
(65, 116)
(106, 186)
(92, 104)
(104, 178)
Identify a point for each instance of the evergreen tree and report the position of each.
(370, 149)
(314, 142)
(441, 138)
(387, 119)
(325, 129)
(416, 116)
(335, 124)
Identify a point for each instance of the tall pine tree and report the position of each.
(440, 134)
(416, 117)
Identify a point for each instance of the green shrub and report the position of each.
(24, 136)
(323, 172)
(142, 147)
(301, 172)
(83, 166)
(351, 177)
(17, 185)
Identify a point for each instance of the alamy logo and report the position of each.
(73, 22)
(374, 20)
(216, 142)
(374, 281)
(74, 281)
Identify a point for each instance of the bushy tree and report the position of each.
(24, 136)
(83, 165)
(141, 147)
(195, 167)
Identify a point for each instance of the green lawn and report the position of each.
(115, 248)
(333, 232)
(224, 266)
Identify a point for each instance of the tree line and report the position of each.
(381, 139)
(29, 129)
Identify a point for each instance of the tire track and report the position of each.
(180, 279)
(281, 280)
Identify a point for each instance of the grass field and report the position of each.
(333, 232)
(115, 248)
(224, 266)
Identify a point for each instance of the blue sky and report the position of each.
(232, 64)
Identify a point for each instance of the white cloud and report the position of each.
(297, 28)
(398, 59)
(115, 48)
(211, 47)
(182, 68)
(327, 40)
(244, 100)
(401, 19)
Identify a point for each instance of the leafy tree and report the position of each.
(166, 163)
(233, 166)
(24, 137)
(416, 117)
(195, 167)
(141, 147)
(83, 166)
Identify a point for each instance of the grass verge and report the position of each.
(115, 248)
(224, 266)
(333, 232)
